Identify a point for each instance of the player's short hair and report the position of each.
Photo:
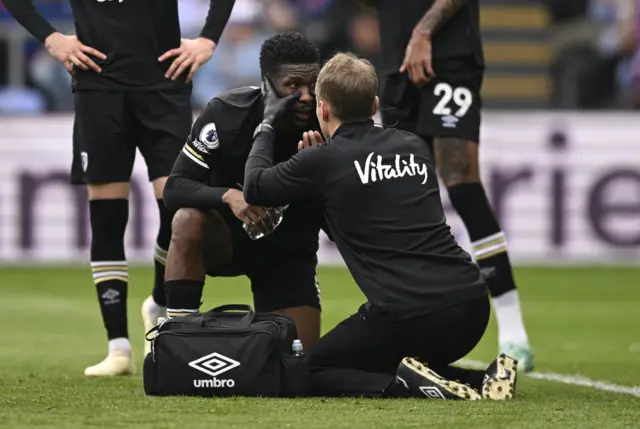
(349, 85)
(289, 47)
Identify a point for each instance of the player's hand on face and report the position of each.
(71, 53)
(191, 54)
(310, 139)
(257, 219)
(274, 106)
(417, 59)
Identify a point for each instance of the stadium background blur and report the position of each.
(560, 155)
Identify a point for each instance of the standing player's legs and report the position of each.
(450, 114)
(103, 160)
(161, 123)
(155, 305)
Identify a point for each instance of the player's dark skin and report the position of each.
(199, 236)
(456, 158)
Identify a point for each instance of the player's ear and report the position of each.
(376, 106)
(266, 86)
(324, 109)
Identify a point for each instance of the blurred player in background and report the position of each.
(129, 94)
(205, 190)
(432, 71)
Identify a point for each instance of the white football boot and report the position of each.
(117, 362)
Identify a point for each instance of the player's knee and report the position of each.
(456, 160)
(187, 227)
(158, 187)
(108, 191)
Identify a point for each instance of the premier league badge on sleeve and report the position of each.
(209, 136)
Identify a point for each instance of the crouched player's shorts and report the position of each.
(279, 279)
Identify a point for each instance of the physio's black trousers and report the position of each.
(360, 356)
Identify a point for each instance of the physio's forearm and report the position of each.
(260, 158)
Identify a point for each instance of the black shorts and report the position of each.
(278, 280)
(110, 125)
(447, 106)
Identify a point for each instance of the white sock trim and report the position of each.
(181, 310)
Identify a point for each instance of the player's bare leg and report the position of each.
(194, 234)
(458, 166)
(109, 213)
(307, 320)
(155, 305)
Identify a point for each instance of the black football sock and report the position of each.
(160, 253)
(183, 296)
(488, 242)
(108, 264)
(489, 248)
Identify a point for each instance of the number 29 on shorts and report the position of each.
(461, 96)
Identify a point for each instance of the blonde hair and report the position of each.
(349, 85)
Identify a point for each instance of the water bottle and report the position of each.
(297, 348)
(256, 236)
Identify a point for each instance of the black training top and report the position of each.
(382, 205)
(459, 36)
(131, 33)
(213, 161)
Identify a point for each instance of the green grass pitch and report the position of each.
(582, 321)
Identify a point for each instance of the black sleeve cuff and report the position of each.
(217, 18)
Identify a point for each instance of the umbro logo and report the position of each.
(214, 364)
(110, 296)
(449, 121)
(431, 392)
(488, 272)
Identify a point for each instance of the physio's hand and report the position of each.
(257, 219)
(275, 106)
(71, 53)
(310, 139)
(191, 54)
(417, 58)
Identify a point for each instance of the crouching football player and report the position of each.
(204, 188)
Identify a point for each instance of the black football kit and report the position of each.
(449, 104)
(130, 103)
(282, 265)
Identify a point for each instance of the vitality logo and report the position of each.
(214, 364)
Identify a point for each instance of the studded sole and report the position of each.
(502, 385)
(458, 390)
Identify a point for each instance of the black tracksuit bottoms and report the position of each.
(360, 356)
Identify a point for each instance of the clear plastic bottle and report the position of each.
(297, 348)
(280, 215)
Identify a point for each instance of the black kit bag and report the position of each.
(227, 351)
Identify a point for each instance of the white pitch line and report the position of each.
(575, 380)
